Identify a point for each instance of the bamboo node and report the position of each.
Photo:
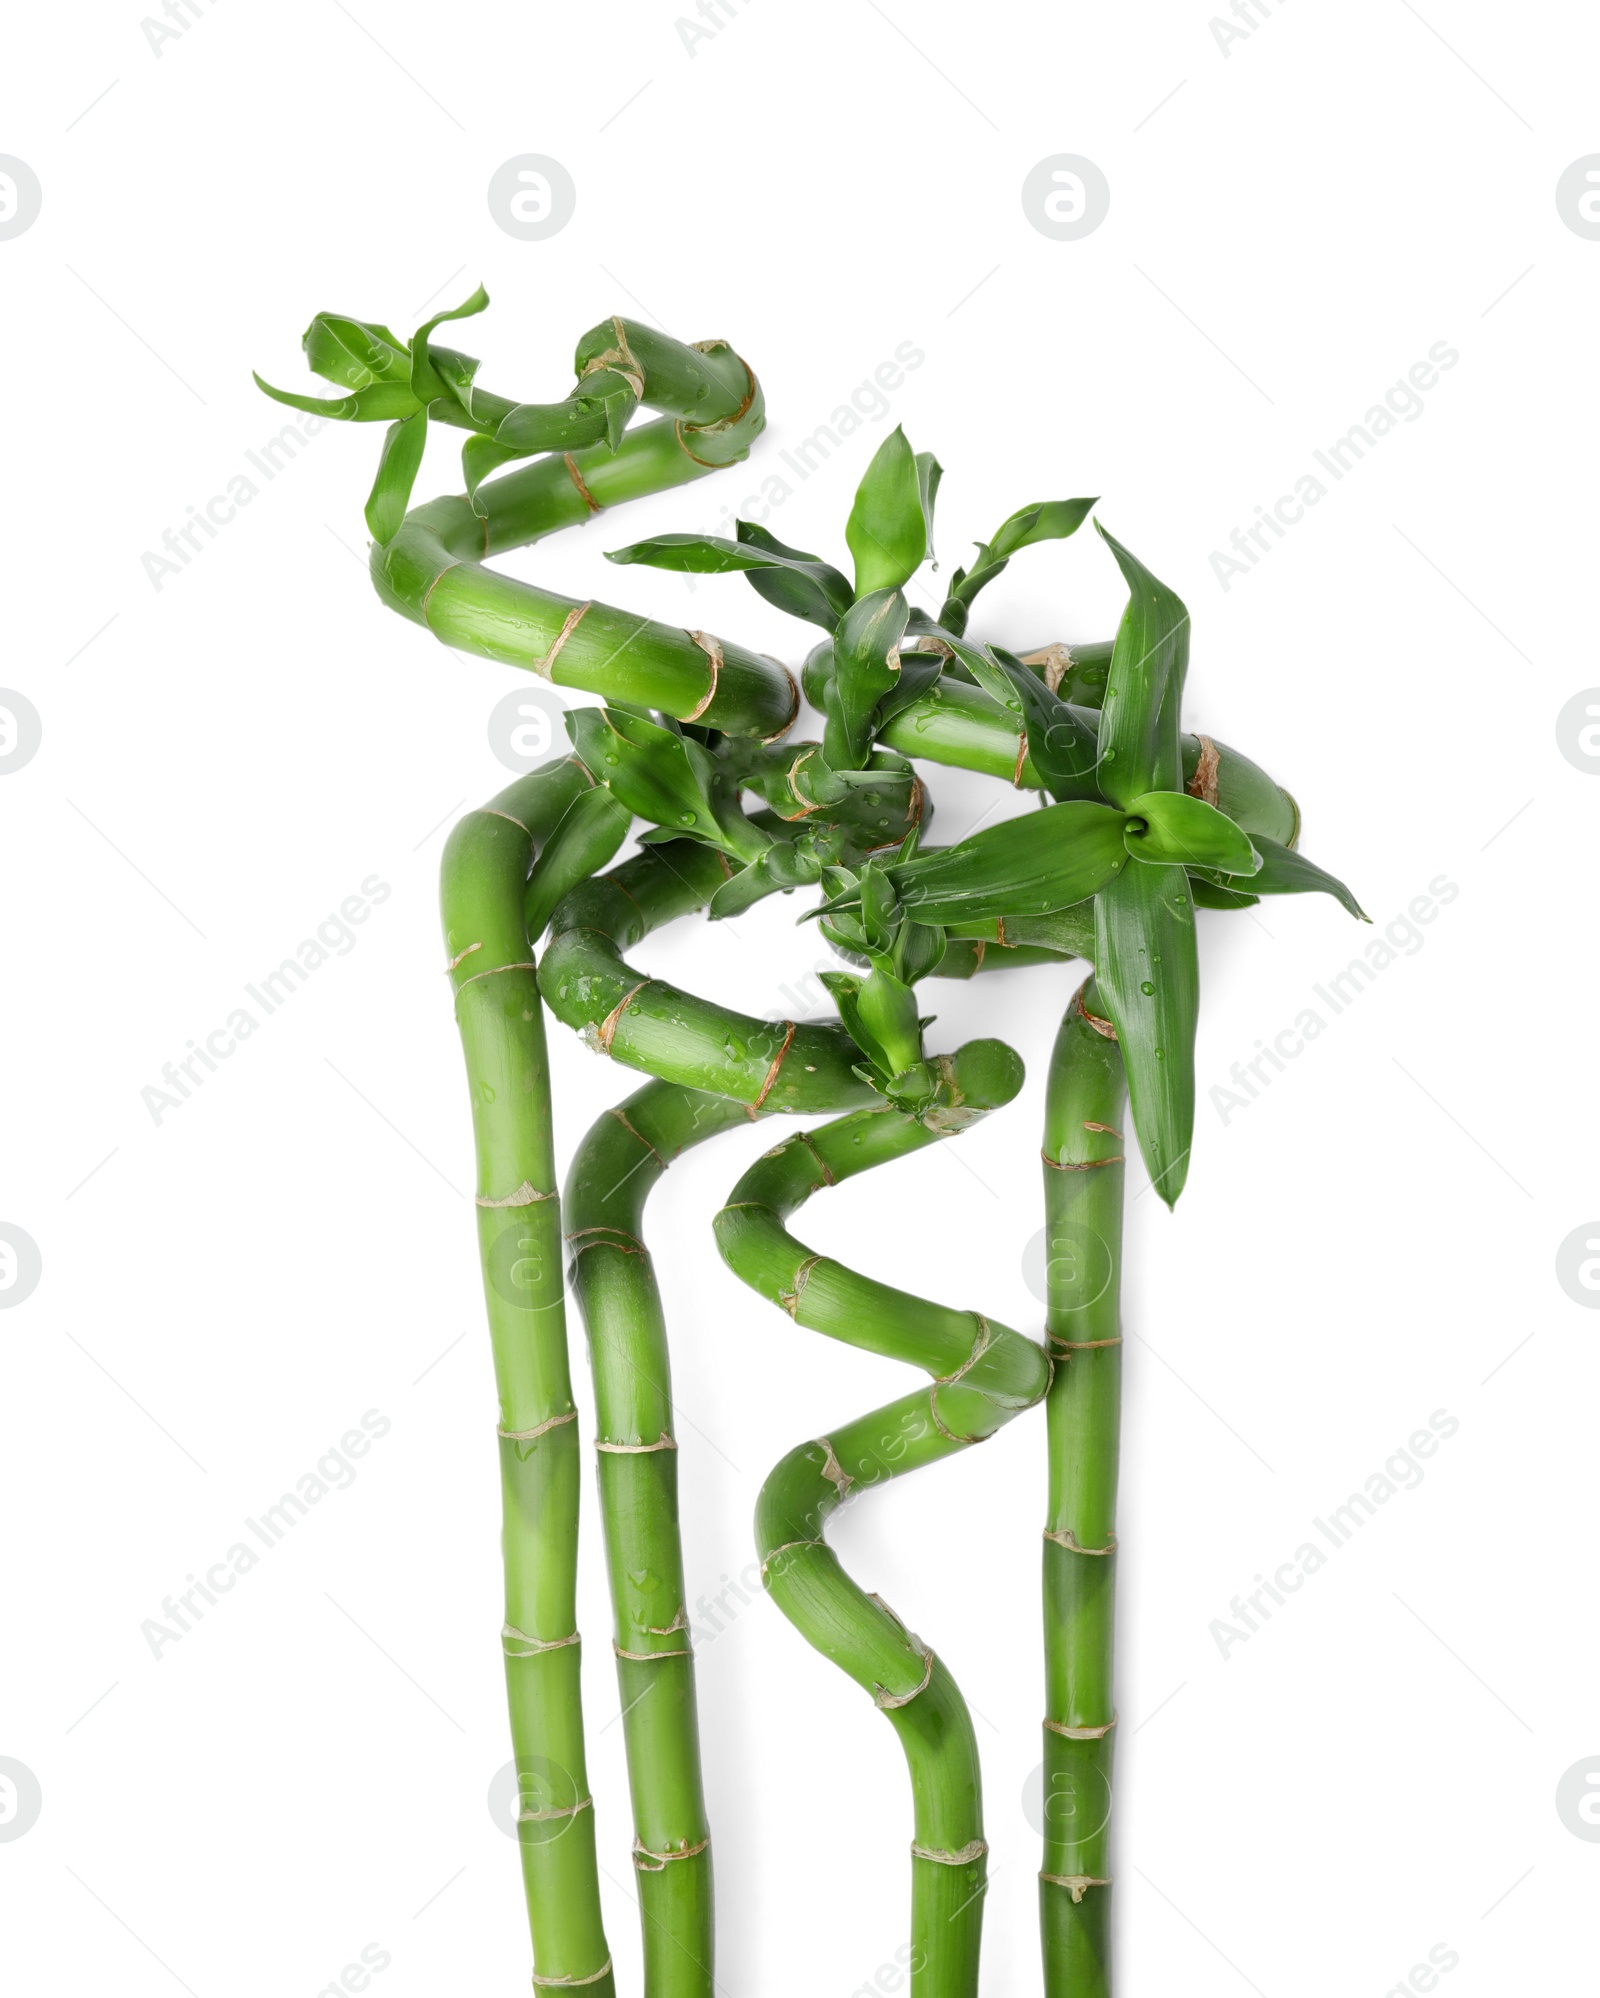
(948, 1434)
(607, 1238)
(528, 1435)
(1081, 1165)
(642, 1855)
(1203, 784)
(650, 1657)
(794, 704)
(621, 1116)
(460, 954)
(790, 1299)
(510, 1636)
(1078, 1883)
(494, 972)
(1103, 1028)
(1082, 1345)
(526, 1195)
(567, 1811)
(979, 1347)
(662, 1442)
(1110, 1130)
(885, 1700)
(712, 648)
(1081, 1733)
(1066, 1540)
(1057, 661)
(974, 1849)
(574, 618)
(832, 1469)
(584, 493)
(606, 1031)
(1022, 757)
(772, 1073)
(571, 1983)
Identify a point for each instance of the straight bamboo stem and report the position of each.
(1085, 1102)
(485, 868)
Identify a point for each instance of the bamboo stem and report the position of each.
(1085, 1104)
(984, 1374)
(485, 867)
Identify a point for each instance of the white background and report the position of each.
(1293, 224)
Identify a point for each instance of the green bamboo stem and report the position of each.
(486, 864)
(1085, 1102)
(984, 1374)
(616, 1168)
(433, 570)
(649, 1024)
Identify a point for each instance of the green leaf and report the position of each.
(1148, 972)
(663, 777)
(1062, 742)
(1171, 827)
(929, 473)
(381, 402)
(427, 385)
(354, 353)
(1045, 520)
(1048, 520)
(797, 583)
(886, 1008)
(1207, 895)
(811, 589)
(1030, 866)
(479, 457)
(591, 829)
(397, 474)
(1139, 748)
(887, 531)
(866, 667)
(1285, 872)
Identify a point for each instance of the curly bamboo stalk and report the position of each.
(486, 865)
(433, 570)
(1085, 1101)
(984, 1374)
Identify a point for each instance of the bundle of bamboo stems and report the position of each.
(1139, 825)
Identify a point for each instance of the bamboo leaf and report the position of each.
(354, 353)
(663, 777)
(1148, 972)
(866, 654)
(1139, 748)
(1285, 872)
(1030, 866)
(380, 402)
(587, 837)
(1171, 827)
(480, 456)
(929, 473)
(1045, 520)
(797, 583)
(1063, 743)
(427, 385)
(397, 474)
(887, 531)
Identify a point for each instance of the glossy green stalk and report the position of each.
(648, 1024)
(485, 869)
(616, 1167)
(1083, 1153)
(984, 1374)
